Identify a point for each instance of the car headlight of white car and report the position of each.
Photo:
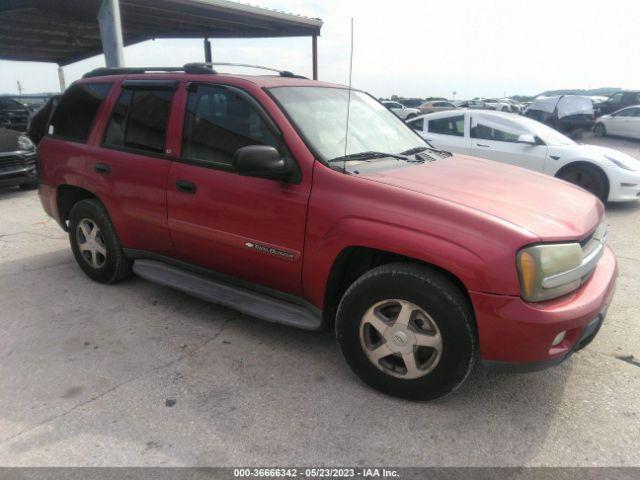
(621, 163)
(549, 271)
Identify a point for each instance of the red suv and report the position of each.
(306, 203)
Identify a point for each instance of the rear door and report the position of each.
(128, 170)
(634, 124)
(496, 138)
(244, 227)
(448, 132)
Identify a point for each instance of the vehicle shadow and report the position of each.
(157, 377)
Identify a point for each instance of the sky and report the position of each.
(420, 48)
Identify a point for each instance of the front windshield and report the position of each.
(320, 113)
(548, 135)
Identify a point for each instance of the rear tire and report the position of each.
(588, 178)
(95, 244)
(600, 130)
(407, 331)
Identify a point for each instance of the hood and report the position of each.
(598, 154)
(9, 140)
(545, 206)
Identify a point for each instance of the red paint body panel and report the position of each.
(464, 215)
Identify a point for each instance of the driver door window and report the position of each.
(496, 138)
(218, 122)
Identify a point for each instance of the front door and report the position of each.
(496, 138)
(245, 227)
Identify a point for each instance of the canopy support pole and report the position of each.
(111, 33)
(207, 50)
(314, 53)
(63, 83)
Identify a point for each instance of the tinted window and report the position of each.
(74, 114)
(139, 120)
(219, 121)
(615, 99)
(497, 129)
(627, 112)
(448, 126)
(417, 125)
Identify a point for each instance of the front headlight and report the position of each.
(25, 143)
(538, 263)
(621, 164)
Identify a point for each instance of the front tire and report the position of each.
(587, 177)
(95, 244)
(600, 130)
(407, 331)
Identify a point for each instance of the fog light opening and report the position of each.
(559, 338)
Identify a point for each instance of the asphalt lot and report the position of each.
(138, 374)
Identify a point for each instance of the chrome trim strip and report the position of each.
(17, 153)
(588, 265)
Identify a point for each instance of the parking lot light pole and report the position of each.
(314, 53)
(111, 33)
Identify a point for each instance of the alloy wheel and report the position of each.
(91, 243)
(400, 339)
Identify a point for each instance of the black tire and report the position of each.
(29, 186)
(587, 177)
(410, 116)
(115, 266)
(432, 292)
(600, 130)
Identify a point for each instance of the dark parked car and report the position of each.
(13, 114)
(17, 160)
(617, 101)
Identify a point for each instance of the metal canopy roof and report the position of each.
(66, 31)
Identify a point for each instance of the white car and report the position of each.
(404, 113)
(505, 137)
(623, 123)
(499, 105)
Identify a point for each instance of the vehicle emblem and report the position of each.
(400, 338)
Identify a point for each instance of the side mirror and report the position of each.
(260, 161)
(527, 138)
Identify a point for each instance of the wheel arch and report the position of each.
(67, 196)
(354, 261)
(584, 163)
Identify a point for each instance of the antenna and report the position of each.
(346, 133)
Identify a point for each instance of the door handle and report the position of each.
(186, 186)
(482, 145)
(102, 169)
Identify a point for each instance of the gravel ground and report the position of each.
(138, 374)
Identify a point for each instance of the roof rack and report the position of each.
(191, 68)
(199, 67)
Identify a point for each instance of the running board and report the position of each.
(241, 299)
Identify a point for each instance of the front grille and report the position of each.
(10, 163)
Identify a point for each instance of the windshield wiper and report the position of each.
(413, 151)
(369, 156)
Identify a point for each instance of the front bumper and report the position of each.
(17, 168)
(517, 336)
(624, 185)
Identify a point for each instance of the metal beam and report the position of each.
(314, 54)
(111, 33)
(63, 83)
(207, 51)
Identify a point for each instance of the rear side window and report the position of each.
(139, 120)
(74, 115)
(218, 122)
(448, 126)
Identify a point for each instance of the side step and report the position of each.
(241, 299)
